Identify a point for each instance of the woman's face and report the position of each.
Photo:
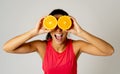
(58, 35)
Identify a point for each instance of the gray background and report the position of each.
(99, 17)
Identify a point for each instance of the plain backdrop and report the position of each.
(98, 17)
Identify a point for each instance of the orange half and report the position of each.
(50, 22)
(64, 22)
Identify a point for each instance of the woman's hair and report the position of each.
(54, 12)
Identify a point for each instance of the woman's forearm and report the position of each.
(15, 42)
(97, 42)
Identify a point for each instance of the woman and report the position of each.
(59, 54)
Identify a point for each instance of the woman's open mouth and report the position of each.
(59, 36)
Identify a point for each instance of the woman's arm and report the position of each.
(93, 44)
(19, 43)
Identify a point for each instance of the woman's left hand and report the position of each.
(75, 29)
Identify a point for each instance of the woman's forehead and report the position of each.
(57, 15)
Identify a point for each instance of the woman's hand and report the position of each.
(76, 29)
(39, 29)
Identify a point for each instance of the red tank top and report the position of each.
(60, 63)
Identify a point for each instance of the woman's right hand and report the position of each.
(39, 29)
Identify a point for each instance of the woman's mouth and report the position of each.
(59, 36)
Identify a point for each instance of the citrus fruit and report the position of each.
(50, 22)
(64, 22)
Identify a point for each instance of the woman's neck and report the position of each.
(59, 47)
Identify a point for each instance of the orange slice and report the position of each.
(50, 22)
(64, 22)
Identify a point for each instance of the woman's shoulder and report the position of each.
(76, 46)
(40, 46)
(78, 43)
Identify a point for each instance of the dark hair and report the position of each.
(54, 12)
(58, 11)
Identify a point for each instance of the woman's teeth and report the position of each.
(58, 36)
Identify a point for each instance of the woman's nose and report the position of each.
(58, 29)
